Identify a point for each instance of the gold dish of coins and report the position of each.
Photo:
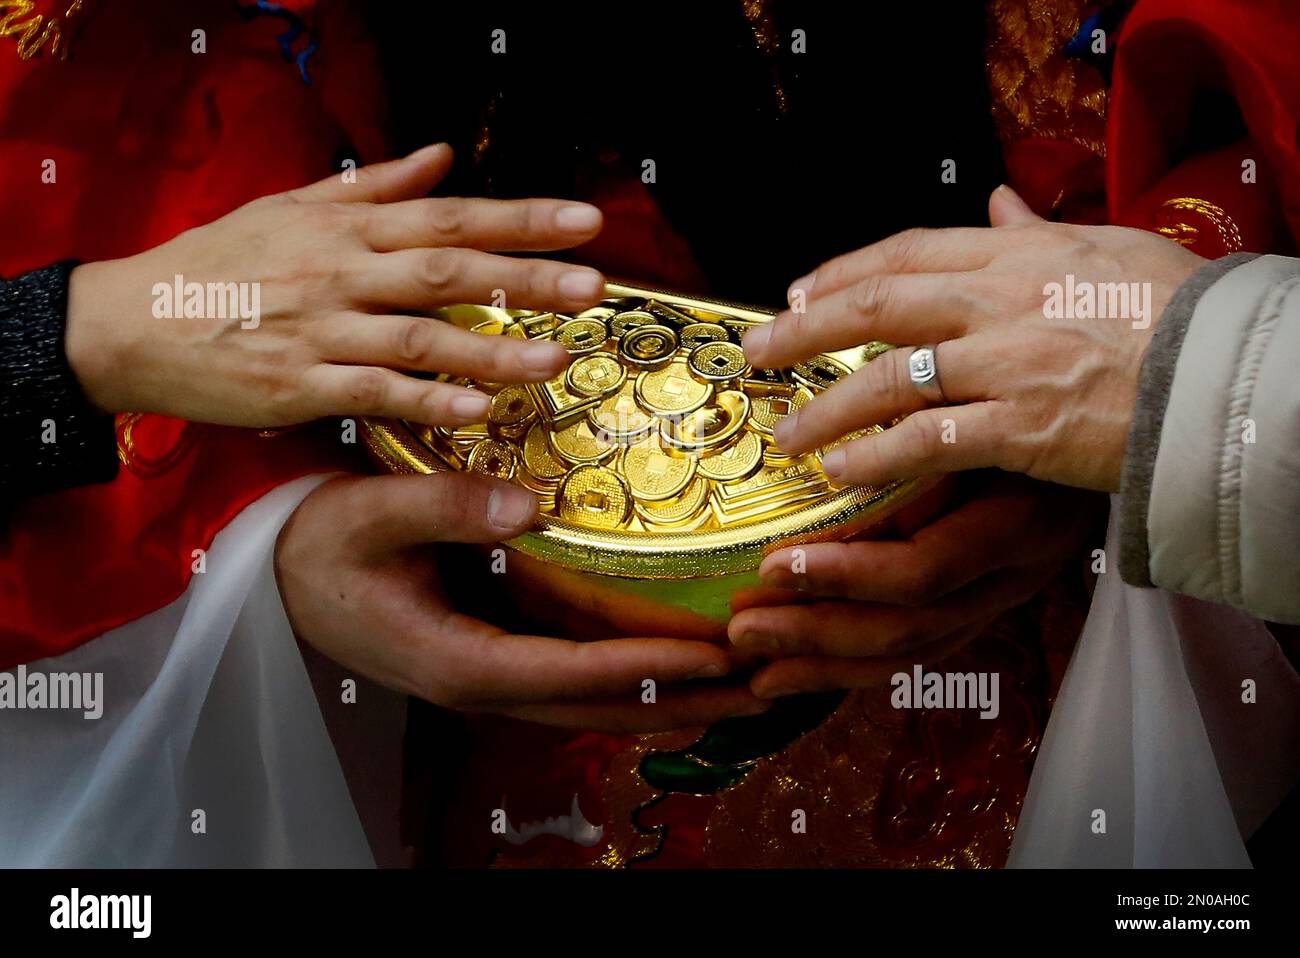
(652, 455)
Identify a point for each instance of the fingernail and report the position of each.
(578, 218)
(424, 152)
(756, 339)
(784, 430)
(833, 462)
(778, 693)
(708, 672)
(471, 405)
(544, 359)
(804, 283)
(509, 508)
(580, 284)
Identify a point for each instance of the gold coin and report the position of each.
(682, 510)
(539, 460)
(652, 474)
(594, 496)
(619, 419)
(740, 460)
(620, 323)
(709, 426)
(603, 313)
(493, 458)
(578, 444)
(671, 391)
(512, 406)
(766, 411)
(596, 375)
(718, 362)
(820, 372)
(648, 347)
(697, 334)
(582, 336)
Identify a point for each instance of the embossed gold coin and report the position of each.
(709, 426)
(581, 336)
(618, 418)
(737, 461)
(538, 457)
(594, 496)
(620, 323)
(766, 411)
(685, 511)
(697, 334)
(718, 362)
(648, 347)
(652, 474)
(671, 391)
(820, 372)
(596, 375)
(579, 445)
(493, 458)
(512, 408)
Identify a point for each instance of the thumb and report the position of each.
(1006, 208)
(401, 511)
(409, 178)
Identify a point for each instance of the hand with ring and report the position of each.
(1031, 333)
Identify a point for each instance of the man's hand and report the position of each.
(344, 273)
(359, 582)
(861, 611)
(1049, 397)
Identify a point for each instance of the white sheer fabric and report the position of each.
(207, 706)
(1150, 727)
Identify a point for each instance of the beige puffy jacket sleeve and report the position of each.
(1210, 495)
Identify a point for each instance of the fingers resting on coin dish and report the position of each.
(359, 582)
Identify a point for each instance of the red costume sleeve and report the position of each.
(148, 138)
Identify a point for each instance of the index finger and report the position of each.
(912, 251)
(499, 225)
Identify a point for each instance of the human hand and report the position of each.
(861, 611)
(358, 577)
(1049, 397)
(339, 273)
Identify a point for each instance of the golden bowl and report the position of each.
(661, 489)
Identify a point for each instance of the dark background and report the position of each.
(884, 93)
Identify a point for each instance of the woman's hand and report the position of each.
(358, 577)
(340, 274)
(1049, 397)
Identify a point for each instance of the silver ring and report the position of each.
(923, 368)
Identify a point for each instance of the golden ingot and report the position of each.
(493, 458)
(718, 362)
(653, 475)
(709, 426)
(648, 347)
(579, 445)
(766, 411)
(581, 336)
(618, 419)
(820, 372)
(605, 558)
(671, 391)
(737, 461)
(594, 496)
(538, 458)
(596, 375)
(697, 334)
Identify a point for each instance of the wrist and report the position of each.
(96, 341)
